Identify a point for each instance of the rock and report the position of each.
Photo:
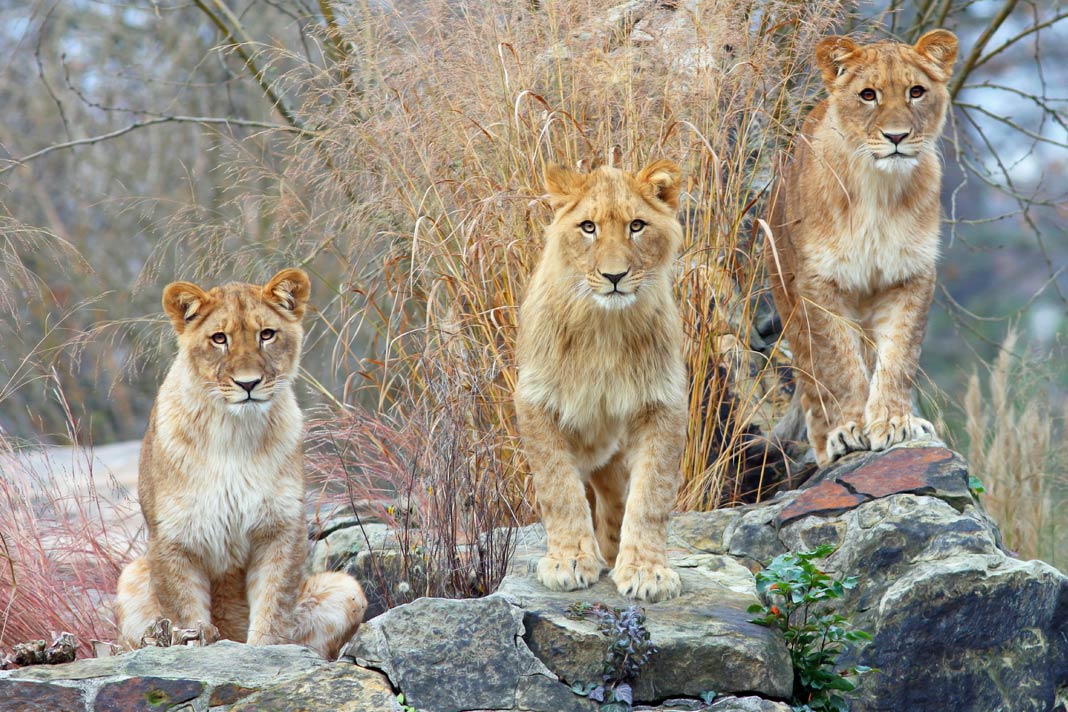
(340, 687)
(977, 632)
(344, 540)
(704, 636)
(145, 694)
(702, 531)
(957, 623)
(720, 704)
(918, 468)
(747, 704)
(157, 678)
(969, 627)
(449, 656)
(19, 696)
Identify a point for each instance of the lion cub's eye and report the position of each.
(917, 91)
(588, 227)
(267, 335)
(218, 338)
(868, 95)
(637, 225)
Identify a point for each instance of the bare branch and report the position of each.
(16, 162)
(978, 47)
(229, 24)
(1019, 36)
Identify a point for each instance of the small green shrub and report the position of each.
(629, 649)
(797, 595)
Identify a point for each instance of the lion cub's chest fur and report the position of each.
(229, 477)
(870, 241)
(597, 373)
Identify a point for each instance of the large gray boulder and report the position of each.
(958, 623)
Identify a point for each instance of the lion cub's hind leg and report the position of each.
(136, 607)
(329, 610)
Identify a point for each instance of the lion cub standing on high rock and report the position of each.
(855, 223)
(601, 397)
(221, 480)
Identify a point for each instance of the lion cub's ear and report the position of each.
(184, 302)
(664, 178)
(939, 46)
(288, 290)
(562, 184)
(831, 54)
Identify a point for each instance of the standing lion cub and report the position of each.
(601, 397)
(855, 224)
(221, 480)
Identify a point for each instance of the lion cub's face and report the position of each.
(242, 341)
(615, 231)
(888, 99)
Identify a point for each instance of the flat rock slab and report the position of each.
(704, 636)
(146, 694)
(451, 656)
(337, 687)
(862, 477)
(156, 678)
(16, 696)
(720, 704)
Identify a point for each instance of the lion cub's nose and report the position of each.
(614, 278)
(249, 384)
(896, 138)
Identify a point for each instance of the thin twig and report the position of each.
(16, 162)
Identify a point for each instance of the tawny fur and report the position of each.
(601, 397)
(221, 480)
(856, 239)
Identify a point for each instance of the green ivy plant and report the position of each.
(797, 596)
(629, 649)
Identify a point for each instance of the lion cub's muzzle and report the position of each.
(614, 289)
(896, 148)
(247, 387)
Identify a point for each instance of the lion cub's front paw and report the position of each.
(569, 570)
(845, 439)
(885, 433)
(646, 581)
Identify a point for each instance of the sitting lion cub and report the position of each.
(601, 397)
(855, 224)
(222, 482)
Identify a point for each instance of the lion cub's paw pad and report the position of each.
(568, 572)
(845, 439)
(886, 433)
(647, 582)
